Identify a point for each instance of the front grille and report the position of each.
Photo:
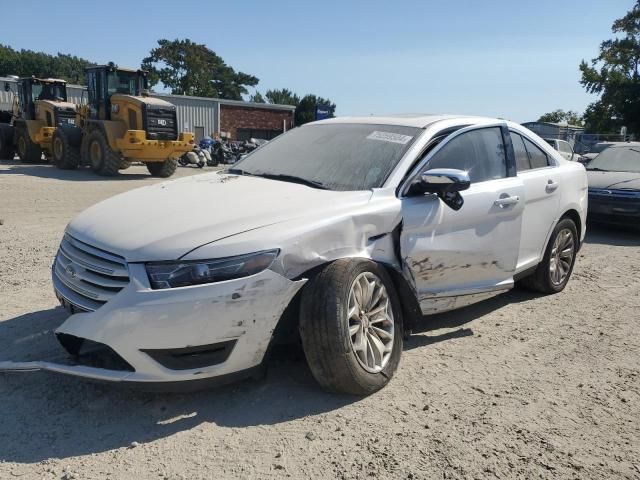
(65, 117)
(87, 277)
(161, 123)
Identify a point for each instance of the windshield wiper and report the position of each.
(596, 169)
(293, 179)
(280, 176)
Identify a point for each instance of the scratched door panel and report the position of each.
(474, 249)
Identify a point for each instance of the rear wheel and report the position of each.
(28, 151)
(351, 327)
(66, 155)
(7, 151)
(163, 169)
(554, 271)
(103, 160)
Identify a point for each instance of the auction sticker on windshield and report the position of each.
(390, 137)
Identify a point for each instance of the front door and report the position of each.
(454, 258)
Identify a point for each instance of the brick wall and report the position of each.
(233, 117)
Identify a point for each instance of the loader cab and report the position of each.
(106, 80)
(32, 90)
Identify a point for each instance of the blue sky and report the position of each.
(510, 59)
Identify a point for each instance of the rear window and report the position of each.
(537, 157)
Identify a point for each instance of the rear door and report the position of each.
(540, 179)
(450, 254)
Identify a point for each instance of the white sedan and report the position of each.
(340, 234)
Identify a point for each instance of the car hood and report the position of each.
(614, 180)
(168, 220)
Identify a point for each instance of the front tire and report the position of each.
(351, 327)
(163, 169)
(554, 271)
(103, 160)
(66, 155)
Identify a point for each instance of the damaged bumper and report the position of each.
(174, 335)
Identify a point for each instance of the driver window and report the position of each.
(481, 153)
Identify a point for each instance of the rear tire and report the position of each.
(103, 160)
(65, 154)
(28, 151)
(341, 333)
(553, 272)
(163, 169)
(7, 151)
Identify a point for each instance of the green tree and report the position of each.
(24, 63)
(284, 96)
(306, 109)
(189, 68)
(257, 98)
(305, 106)
(614, 75)
(560, 116)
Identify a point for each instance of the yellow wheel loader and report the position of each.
(40, 109)
(121, 123)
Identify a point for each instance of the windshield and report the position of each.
(127, 83)
(335, 156)
(48, 91)
(619, 159)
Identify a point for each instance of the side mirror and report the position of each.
(7, 87)
(446, 183)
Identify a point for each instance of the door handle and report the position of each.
(506, 201)
(551, 186)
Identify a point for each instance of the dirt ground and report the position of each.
(521, 386)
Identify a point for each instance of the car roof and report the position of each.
(406, 120)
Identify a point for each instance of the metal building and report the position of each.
(560, 131)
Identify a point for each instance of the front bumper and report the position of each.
(613, 208)
(135, 145)
(141, 325)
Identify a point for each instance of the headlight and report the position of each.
(182, 274)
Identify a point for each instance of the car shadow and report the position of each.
(45, 415)
(46, 170)
(612, 235)
(423, 331)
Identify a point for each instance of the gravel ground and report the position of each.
(521, 386)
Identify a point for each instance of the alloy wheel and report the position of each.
(371, 323)
(561, 256)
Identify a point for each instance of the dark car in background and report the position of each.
(614, 185)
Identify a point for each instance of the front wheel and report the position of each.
(103, 160)
(351, 327)
(65, 153)
(554, 271)
(163, 169)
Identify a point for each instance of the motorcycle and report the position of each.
(197, 157)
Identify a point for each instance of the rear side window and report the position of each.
(480, 153)
(522, 157)
(537, 157)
